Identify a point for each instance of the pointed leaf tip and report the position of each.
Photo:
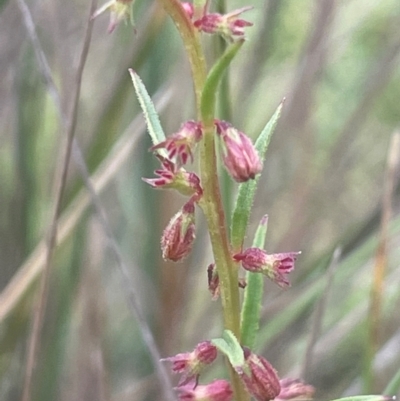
(150, 114)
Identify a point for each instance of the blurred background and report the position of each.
(324, 187)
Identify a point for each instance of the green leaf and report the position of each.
(230, 347)
(246, 191)
(208, 96)
(365, 398)
(152, 120)
(251, 309)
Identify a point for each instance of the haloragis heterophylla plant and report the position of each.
(251, 375)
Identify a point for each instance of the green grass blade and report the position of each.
(152, 120)
(245, 197)
(251, 309)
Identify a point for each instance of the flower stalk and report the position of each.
(243, 161)
(211, 201)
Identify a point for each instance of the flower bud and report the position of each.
(240, 157)
(182, 143)
(227, 25)
(218, 390)
(259, 377)
(276, 266)
(120, 10)
(190, 364)
(178, 236)
(295, 390)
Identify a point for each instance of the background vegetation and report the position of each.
(324, 187)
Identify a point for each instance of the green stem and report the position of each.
(192, 45)
(211, 202)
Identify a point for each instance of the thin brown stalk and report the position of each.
(381, 255)
(83, 169)
(38, 317)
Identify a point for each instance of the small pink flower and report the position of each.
(276, 266)
(227, 25)
(182, 143)
(190, 364)
(259, 377)
(295, 390)
(218, 390)
(178, 237)
(189, 9)
(170, 176)
(240, 157)
(120, 10)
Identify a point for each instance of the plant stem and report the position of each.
(211, 202)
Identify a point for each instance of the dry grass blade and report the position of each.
(381, 255)
(34, 338)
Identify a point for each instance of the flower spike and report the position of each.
(240, 157)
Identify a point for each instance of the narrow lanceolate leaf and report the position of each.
(208, 96)
(246, 191)
(366, 398)
(152, 120)
(230, 347)
(251, 309)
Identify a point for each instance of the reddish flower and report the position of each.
(120, 10)
(178, 236)
(276, 266)
(182, 143)
(190, 364)
(189, 9)
(170, 176)
(295, 390)
(240, 157)
(259, 377)
(218, 390)
(227, 25)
